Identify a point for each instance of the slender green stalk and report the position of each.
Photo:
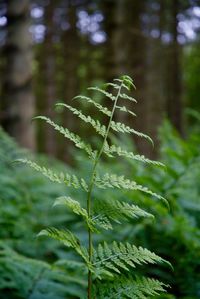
(89, 198)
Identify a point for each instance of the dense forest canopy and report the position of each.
(80, 43)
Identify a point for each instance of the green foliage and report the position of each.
(99, 128)
(120, 182)
(102, 109)
(61, 178)
(68, 239)
(107, 259)
(126, 287)
(71, 136)
(109, 150)
(34, 279)
(117, 210)
(118, 257)
(175, 235)
(27, 197)
(192, 80)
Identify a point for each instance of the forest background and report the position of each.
(51, 51)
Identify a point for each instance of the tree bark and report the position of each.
(126, 55)
(174, 89)
(70, 52)
(49, 72)
(18, 99)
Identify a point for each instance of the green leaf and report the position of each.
(100, 129)
(71, 136)
(61, 178)
(67, 238)
(124, 109)
(120, 182)
(101, 108)
(126, 97)
(128, 287)
(109, 150)
(107, 94)
(119, 256)
(77, 209)
(122, 128)
(117, 210)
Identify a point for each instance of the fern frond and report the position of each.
(126, 97)
(101, 108)
(128, 81)
(61, 178)
(124, 109)
(113, 85)
(107, 94)
(68, 239)
(77, 209)
(92, 223)
(117, 210)
(101, 129)
(114, 181)
(102, 221)
(120, 127)
(122, 152)
(126, 287)
(119, 256)
(76, 139)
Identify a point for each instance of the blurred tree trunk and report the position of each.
(111, 28)
(70, 52)
(49, 72)
(126, 55)
(154, 73)
(138, 62)
(18, 100)
(174, 87)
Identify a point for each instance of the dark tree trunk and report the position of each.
(125, 55)
(70, 85)
(174, 88)
(50, 78)
(18, 100)
(154, 74)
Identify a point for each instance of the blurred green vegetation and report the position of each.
(192, 79)
(41, 268)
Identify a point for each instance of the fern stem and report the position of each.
(89, 199)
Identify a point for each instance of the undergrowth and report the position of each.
(26, 199)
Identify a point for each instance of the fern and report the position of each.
(68, 239)
(61, 178)
(34, 279)
(109, 150)
(102, 109)
(71, 136)
(77, 209)
(122, 128)
(127, 287)
(117, 210)
(118, 257)
(120, 182)
(115, 261)
(124, 109)
(101, 129)
(107, 94)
